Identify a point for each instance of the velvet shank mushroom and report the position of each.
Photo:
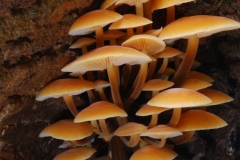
(178, 98)
(94, 21)
(193, 28)
(65, 88)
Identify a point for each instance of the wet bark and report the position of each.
(34, 45)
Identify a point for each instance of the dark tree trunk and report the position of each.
(34, 45)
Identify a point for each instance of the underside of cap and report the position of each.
(101, 58)
(199, 25)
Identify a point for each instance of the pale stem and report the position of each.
(151, 69)
(162, 68)
(186, 64)
(156, 143)
(154, 121)
(139, 12)
(183, 138)
(104, 127)
(95, 127)
(91, 97)
(133, 141)
(71, 106)
(102, 94)
(84, 50)
(114, 86)
(170, 14)
(112, 42)
(175, 117)
(140, 82)
(147, 13)
(130, 32)
(99, 36)
(177, 62)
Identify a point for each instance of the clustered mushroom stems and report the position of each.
(125, 91)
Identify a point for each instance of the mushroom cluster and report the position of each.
(138, 73)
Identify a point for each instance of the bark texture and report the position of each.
(34, 45)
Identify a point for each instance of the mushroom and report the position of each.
(83, 43)
(131, 129)
(108, 57)
(65, 88)
(217, 97)
(95, 113)
(149, 45)
(147, 110)
(167, 53)
(201, 76)
(138, 6)
(194, 120)
(177, 98)
(156, 85)
(94, 21)
(79, 133)
(193, 28)
(159, 132)
(76, 154)
(195, 84)
(100, 84)
(150, 152)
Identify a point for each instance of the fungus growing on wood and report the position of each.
(147, 110)
(79, 153)
(131, 129)
(65, 88)
(153, 153)
(93, 113)
(178, 98)
(159, 132)
(106, 58)
(194, 120)
(94, 21)
(193, 28)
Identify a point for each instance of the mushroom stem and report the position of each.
(154, 121)
(99, 36)
(71, 106)
(133, 141)
(162, 68)
(183, 138)
(156, 143)
(170, 14)
(139, 12)
(102, 94)
(114, 86)
(103, 126)
(95, 127)
(175, 117)
(141, 78)
(130, 32)
(147, 13)
(187, 62)
(151, 69)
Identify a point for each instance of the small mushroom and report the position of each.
(178, 98)
(150, 152)
(147, 110)
(131, 129)
(78, 153)
(100, 111)
(159, 132)
(193, 28)
(65, 88)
